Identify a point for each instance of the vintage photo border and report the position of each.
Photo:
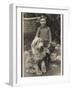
(62, 39)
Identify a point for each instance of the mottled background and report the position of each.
(31, 25)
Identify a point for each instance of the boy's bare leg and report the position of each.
(43, 67)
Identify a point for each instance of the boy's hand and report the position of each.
(49, 45)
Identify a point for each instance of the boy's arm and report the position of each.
(50, 36)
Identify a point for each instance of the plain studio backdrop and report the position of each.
(4, 42)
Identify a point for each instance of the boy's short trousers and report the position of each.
(46, 42)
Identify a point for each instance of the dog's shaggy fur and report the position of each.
(40, 56)
(37, 59)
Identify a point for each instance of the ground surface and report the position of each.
(54, 69)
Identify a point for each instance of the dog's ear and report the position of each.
(34, 42)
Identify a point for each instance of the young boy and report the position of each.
(44, 32)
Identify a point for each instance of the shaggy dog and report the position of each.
(40, 55)
(39, 59)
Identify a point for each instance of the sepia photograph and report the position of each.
(41, 44)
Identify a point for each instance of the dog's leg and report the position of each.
(38, 71)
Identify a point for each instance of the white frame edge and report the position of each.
(13, 43)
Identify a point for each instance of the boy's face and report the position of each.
(43, 22)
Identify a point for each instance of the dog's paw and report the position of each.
(30, 71)
(39, 73)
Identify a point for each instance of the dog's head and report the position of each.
(37, 44)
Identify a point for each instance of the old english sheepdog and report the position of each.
(40, 54)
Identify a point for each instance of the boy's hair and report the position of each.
(43, 17)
